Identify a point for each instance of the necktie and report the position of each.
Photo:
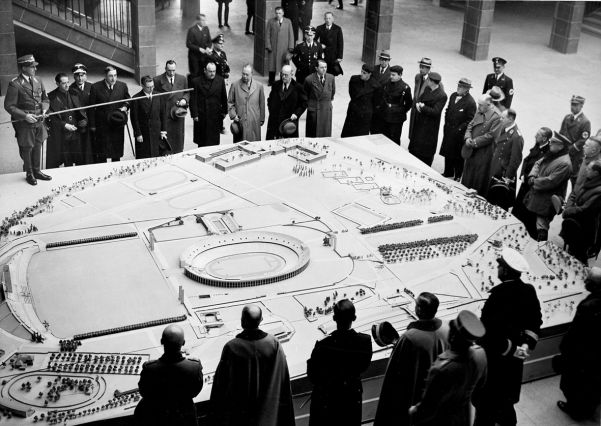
(111, 88)
(382, 70)
(323, 81)
(171, 81)
(81, 87)
(280, 23)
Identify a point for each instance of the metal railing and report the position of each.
(108, 18)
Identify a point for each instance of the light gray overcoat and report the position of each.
(280, 39)
(248, 104)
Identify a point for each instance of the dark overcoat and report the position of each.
(282, 105)
(457, 117)
(418, 89)
(407, 370)
(508, 153)
(551, 174)
(209, 104)
(381, 77)
(84, 136)
(335, 369)
(427, 123)
(396, 101)
(109, 138)
(167, 386)
(319, 105)
(584, 206)
(482, 129)
(505, 83)
(148, 119)
(364, 96)
(333, 40)
(292, 12)
(60, 140)
(197, 38)
(511, 315)
(175, 125)
(577, 130)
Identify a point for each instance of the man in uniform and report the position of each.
(460, 111)
(81, 87)
(169, 384)
(287, 100)
(26, 102)
(456, 377)
(107, 132)
(64, 146)
(577, 128)
(335, 369)
(512, 317)
(219, 58)
(396, 102)
(167, 82)
(305, 56)
(329, 35)
(500, 79)
(506, 158)
(365, 92)
(208, 106)
(381, 75)
(198, 42)
(411, 358)
(320, 88)
(425, 64)
(251, 386)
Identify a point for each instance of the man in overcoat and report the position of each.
(577, 128)
(460, 111)
(478, 146)
(292, 11)
(427, 120)
(501, 80)
(425, 64)
(108, 136)
(279, 41)
(251, 386)
(395, 103)
(287, 100)
(208, 106)
(306, 55)
(64, 143)
(198, 42)
(335, 369)
(409, 363)
(26, 101)
(320, 88)
(549, 176)
(149, 121)
(512, 317)
(364, 91)
(81, 87)
(455, 379)
(330, 36)
(167, 82)
(169, 384)
(246, 105)
(580, 353)
(381, 75)
(507, 155)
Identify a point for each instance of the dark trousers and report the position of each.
(425, 159)
(225, 15)
(392, 131)
(453, 167)
(195, 63)
(271, 77)
(32, 157)
(495, 412)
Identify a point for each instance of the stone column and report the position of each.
(190, 8)
(144, 38)
(567, 24)
(8, 48)
(264, 11)
(377, 29)
(477, 28)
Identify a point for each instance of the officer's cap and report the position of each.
(469, 326)
(577, 100)
(513, 259)
(397, 69)
(498, 61)
(219, 39)
(435, 77)
(425, 62)
(465, 82)
(309, 30)
(384, 54)
(367, 68)
(27, 60)
(79, 68)
(559, 138)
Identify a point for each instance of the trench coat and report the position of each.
(364, 96)
(84, 136)
(58, 146)
(249, 105)
(175, 126)
(278, 42)
(108, 139)
(148, 119)
(457, 117)
(282, 105)
(551, 174)
(319, 105)
(209, 104)
(482, 129)
(427, 123)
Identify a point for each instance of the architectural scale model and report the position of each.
(92, 271)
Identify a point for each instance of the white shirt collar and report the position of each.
(499, 76)
(507, 129)
(578, 115)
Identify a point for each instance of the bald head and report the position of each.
(173, 338)
(593, 280)
(251, 317)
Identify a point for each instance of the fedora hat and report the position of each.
(384, 334)
(496, 94)
(287, 127)
(117, 117)
(236, 128)
(177, 112)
